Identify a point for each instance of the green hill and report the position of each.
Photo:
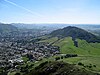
(75, 32)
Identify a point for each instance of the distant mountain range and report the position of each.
(6, 28)
(94, 28)
(35, 26)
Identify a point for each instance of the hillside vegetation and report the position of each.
(59, 68)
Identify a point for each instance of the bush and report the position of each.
(57, 58)
(81, 64)
(62, 57)
(17, 74)
(90, 66)
(94, 65)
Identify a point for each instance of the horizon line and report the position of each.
(52, 23)
(48, 23)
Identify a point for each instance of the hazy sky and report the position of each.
(50, 11)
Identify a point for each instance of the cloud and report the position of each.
(31, 12)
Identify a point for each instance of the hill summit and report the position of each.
(75, 32)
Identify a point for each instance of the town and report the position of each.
(14, 49)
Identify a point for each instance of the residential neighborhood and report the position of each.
(13, 51)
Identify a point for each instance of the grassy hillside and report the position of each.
(58, 68)
(88, 53)
(67, 46)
